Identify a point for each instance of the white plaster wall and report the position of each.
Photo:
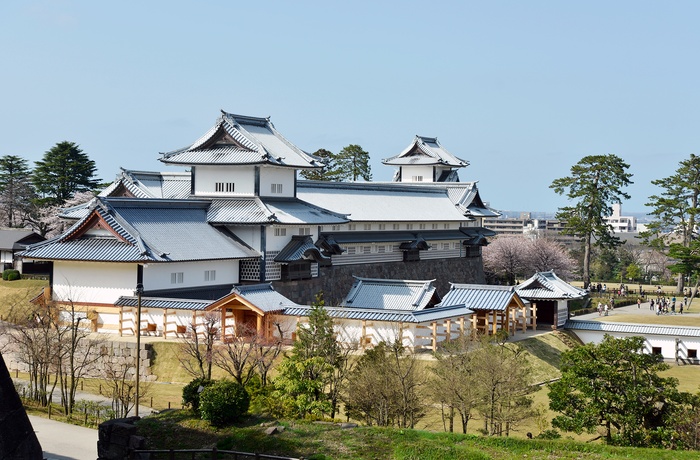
(158, 276)
(207, 176)
(562, 312)
(407, 173)
(6, 257)
(666, 343)
(249, 234)
(272, 175)
(93, 282)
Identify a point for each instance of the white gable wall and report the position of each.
(243, 178)
(93, 282)
(411, 173)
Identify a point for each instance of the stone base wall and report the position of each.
(335, 281)
(114, 353)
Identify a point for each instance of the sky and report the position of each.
(521, 90)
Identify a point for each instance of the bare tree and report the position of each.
(197, 347)
(238, 356)
(120, 379)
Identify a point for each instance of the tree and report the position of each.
(64, 170)
(352, 163)
(504, 256)
(16, 191)
(45, 219)
(614, 385)
(511, 257)
(454, 381)
(675, 209)
(197, 348)
(385, 387)
(329, 172)
(596, 181)
(307, 372)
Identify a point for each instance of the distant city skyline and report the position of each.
(521, 90)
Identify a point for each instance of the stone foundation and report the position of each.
(335, 281)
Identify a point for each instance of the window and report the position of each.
(445, 246)
(296, 271)
(352, 226)
(417, 178)
(351, 250)
(276, 188)
(435, 226)
(421, 226)
(381, 249)
(177, 278)
(382, 226)
(335, 228)
(366, 249)
(227, 187)
(396, 226)
(446, 226)
(692, 354)
(209, 275)
(280, 232)
(409, 226)
(655, 350)
(368, 226)
(304, 230)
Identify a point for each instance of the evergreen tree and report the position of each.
(596, 182)
(616, 386)
(329, 171)
(353, 163)
(307, 373)
(675, 209)
(16, 191)
(64, 170)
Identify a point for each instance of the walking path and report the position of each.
(63, 441)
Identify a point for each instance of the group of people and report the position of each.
(663, 305)
(604, 308)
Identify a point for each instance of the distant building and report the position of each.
(620, 223)
(523, 225)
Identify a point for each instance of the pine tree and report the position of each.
(64, 170)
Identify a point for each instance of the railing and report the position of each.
(214, 454)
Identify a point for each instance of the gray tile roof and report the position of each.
(242, 140)
(638, 329)
(387, 202)
(547, 285)
(256, 210)
(425, 151)
(396, 316)
(12, 239)
(144, 230)
(479, 297)
(161, 302)
(382, 294)
(264, 297)
(301, 248)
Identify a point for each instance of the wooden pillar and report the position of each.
(259, 325)
(494, 323)
(533, 315)
(461, 325)
(165, 324)
(434, 326)
(448, 330)
(401, 333)
(121, 321)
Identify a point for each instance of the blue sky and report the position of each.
(522, 90)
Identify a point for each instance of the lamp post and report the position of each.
(138, 292)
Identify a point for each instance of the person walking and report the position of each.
(639, 302)
(606, 309)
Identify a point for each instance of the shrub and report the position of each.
(10, 274)
(223, 402)
(192, 391)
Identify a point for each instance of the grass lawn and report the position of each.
(18, 292)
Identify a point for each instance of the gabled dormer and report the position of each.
(242, 156)
(425, 160)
